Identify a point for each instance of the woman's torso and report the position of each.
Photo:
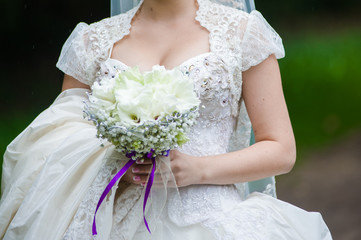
(217, 82)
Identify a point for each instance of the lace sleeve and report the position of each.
(74, 58)
(260, 41)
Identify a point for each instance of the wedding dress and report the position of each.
(55, 171)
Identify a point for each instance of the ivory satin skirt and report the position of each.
(50, 167)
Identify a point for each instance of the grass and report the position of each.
(322, 84)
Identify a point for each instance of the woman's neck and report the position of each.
(168, 10)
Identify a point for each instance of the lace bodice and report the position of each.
(238, 41)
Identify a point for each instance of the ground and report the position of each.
(329, 182)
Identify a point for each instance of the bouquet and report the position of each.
(142, 115)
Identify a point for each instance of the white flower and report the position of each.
(139, 112)
(171, 87)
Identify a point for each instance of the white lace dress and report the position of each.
(55, 171)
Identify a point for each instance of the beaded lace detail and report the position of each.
(230, 30)
(80, 228)
(238, 41)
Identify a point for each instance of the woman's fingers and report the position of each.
(139, 172)
(144, 161)
(139, 179)
(139, 169)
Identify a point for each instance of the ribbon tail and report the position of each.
(109, 187)
(147, 191)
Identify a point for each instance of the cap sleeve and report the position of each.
(74, 59)
(260, 41)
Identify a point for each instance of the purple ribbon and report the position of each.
(109, 187)
(147, 192)
(120, 174)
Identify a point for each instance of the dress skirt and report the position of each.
(55, 171)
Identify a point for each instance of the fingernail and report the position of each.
(136, 178)
(135, 170)
(140, 161)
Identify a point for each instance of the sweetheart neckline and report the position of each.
(177, 66)
(131, 14)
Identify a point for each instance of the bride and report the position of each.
(55, 171)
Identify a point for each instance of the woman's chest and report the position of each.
(156, 44)
(212, 80)
(210, 74)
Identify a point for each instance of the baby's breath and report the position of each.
(131, 128)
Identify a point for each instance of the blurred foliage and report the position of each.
(296, 10)
(321, 77)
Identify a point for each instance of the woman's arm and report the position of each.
(273, 153)
(70, 82)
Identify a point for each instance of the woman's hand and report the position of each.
(186, 168)
(139, 172)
